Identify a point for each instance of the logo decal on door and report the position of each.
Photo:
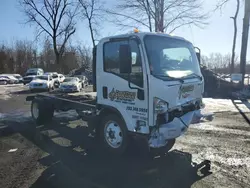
(122, 95)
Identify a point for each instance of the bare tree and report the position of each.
(3, 58)
(17, 57)
(165, 15)
(217, 61)
(220, 5)
(85, 56)
(92, 11)
(55, 18)
(24, 57)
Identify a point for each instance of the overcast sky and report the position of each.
(215, 37)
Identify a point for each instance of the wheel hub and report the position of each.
(113, 134)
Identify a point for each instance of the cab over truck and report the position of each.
(146, 85)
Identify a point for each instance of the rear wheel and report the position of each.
(41, 113)
(114, 134)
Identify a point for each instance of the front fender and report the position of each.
(130, 123)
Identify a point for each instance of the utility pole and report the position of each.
(244, 40)
(235, 36)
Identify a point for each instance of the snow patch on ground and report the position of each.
(211, 155)
(224, 105)
(69, 114)
(20, 116)
(209, 127)
(2, 115)
(6, 90)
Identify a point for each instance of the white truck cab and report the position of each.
(150, 81)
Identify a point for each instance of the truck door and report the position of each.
(113, 88)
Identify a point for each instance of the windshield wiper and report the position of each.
(170, 78)
(191, 76)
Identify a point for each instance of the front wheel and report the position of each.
(114, 134)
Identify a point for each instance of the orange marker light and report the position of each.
(136, 30)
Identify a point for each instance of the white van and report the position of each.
(32, 73)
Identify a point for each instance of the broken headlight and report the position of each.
(160, 106)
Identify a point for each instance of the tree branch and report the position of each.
(32, 5)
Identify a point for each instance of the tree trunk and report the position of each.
(244, 40)
(234, 38)
(91, 32)
(156, 4)
(161, 16)
(149, 16)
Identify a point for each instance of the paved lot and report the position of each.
(62, 154)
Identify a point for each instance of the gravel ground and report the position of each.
(63, 154)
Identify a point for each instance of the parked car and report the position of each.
(38, 71)
(50, 73)
(43, 82)
(12, 79)
(71, 84)
(4, 80)
(84, 80)
(55, 76)
(19, 77)
(61, 78)
(32, 73)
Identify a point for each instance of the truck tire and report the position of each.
(41, 113)
(114, 134)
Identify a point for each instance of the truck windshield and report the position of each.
(171, 58)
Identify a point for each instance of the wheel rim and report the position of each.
(35, 110)
(113, 134)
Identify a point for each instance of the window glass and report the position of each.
(112, 62)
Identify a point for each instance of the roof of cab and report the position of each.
(142, 34)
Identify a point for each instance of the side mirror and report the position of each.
(125, 59)
(198, 54)
(198, 57)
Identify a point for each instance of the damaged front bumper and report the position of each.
(170, 130)
(177, 127)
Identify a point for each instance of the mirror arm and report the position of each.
(129, 83)
(140, 97)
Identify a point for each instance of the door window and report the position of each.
(112, 63)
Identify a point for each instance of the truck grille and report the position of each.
(176, 113)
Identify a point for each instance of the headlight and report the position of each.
(160, 106)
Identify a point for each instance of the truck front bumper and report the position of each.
(171, 130)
